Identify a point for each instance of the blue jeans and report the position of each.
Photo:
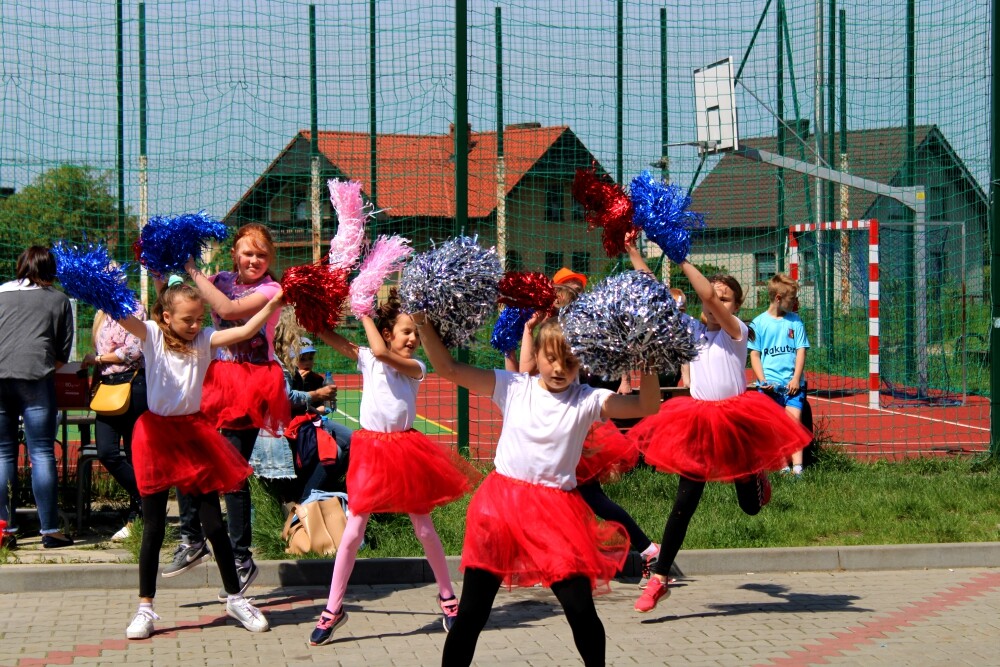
(35, 402)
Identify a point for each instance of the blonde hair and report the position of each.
(165, 303)
(679, 297)
(288, 338)
(781, 286)
(259, 238)
(549, 338)
(99, 318)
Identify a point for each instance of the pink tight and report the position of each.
(423, 528)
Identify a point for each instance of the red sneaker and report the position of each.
(655, 591)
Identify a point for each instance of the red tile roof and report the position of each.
(416, 175)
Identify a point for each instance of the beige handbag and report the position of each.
(113, 399)
(315, 527)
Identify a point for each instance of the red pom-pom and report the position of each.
(527, 289)
(137, 249)
(317, 292)
(607, 206)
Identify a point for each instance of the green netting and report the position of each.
(221, 121)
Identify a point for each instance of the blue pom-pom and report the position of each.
(509, 327)
(661, 211)
(89, 275)
(166, 242)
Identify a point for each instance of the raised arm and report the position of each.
(632, 406)
(222, 305)
(224, 337)
(526, 363)
(638, 261)
(711, 302)
(340, 344)
(134, 326)
(382, 352)
(477, 380)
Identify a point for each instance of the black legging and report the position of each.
(479, 590)
(688, 497)
(154, 521)
(609, 510)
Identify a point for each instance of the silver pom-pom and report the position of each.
(629, 322)
(456, 285)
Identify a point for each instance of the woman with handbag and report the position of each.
(117, 361)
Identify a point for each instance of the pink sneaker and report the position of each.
(655, 591)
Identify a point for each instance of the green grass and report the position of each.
(838, 501)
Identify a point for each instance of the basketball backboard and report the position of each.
(715, 108)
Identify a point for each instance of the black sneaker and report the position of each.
(247, 571)
(56, 541)
(186, 557)
(9, 541)
(328, 622)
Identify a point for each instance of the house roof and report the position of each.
(742, 193)
(416, 173)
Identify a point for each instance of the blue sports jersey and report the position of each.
(777, 339)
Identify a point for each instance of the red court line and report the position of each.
(877, 629)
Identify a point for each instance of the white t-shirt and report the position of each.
(174, 381)
(542, 436)
(718, 372)
(388, 397)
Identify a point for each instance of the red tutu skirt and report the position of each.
(719, 441)
(240, 395)
(531, 534)
(607, 453)
(187, 452)
(405, 472)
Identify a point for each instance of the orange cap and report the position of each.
(565, 275)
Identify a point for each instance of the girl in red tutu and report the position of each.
(175, 444)
(244, 388)
(721, 432)
(394, 467)
(527, 524)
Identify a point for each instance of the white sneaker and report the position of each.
(123, 533)
(141, 626)
(252, 618)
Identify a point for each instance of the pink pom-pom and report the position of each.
(387, 256)
(352, 212)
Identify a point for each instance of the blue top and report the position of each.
(777, 339)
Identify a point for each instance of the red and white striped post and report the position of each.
(873, 289)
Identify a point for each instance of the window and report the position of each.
(765, 266)
(580, 261)
(578, 211)
(513, 261)
(553, 206)
(553, 262)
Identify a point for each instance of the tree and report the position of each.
(68, 202)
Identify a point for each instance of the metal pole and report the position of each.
(909, 179)
(372, 118)
(780, 173)
(821, 324)
(501, 166)
(845, 193)
(831, 110)
(143, 157)
(620, 93)
(994, 225)
(664, 127)
(120, 66)
(462, 180)
(317, 223)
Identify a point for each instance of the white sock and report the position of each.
(651, 550)
(797, 470)
(148, 606)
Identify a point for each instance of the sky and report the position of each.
(229, 87)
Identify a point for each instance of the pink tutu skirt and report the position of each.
(239, 395)
(531, 534)
(719, 441)
(405, 472)
(607, 453)
(186, 452)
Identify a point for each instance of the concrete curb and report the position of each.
(367, 571)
